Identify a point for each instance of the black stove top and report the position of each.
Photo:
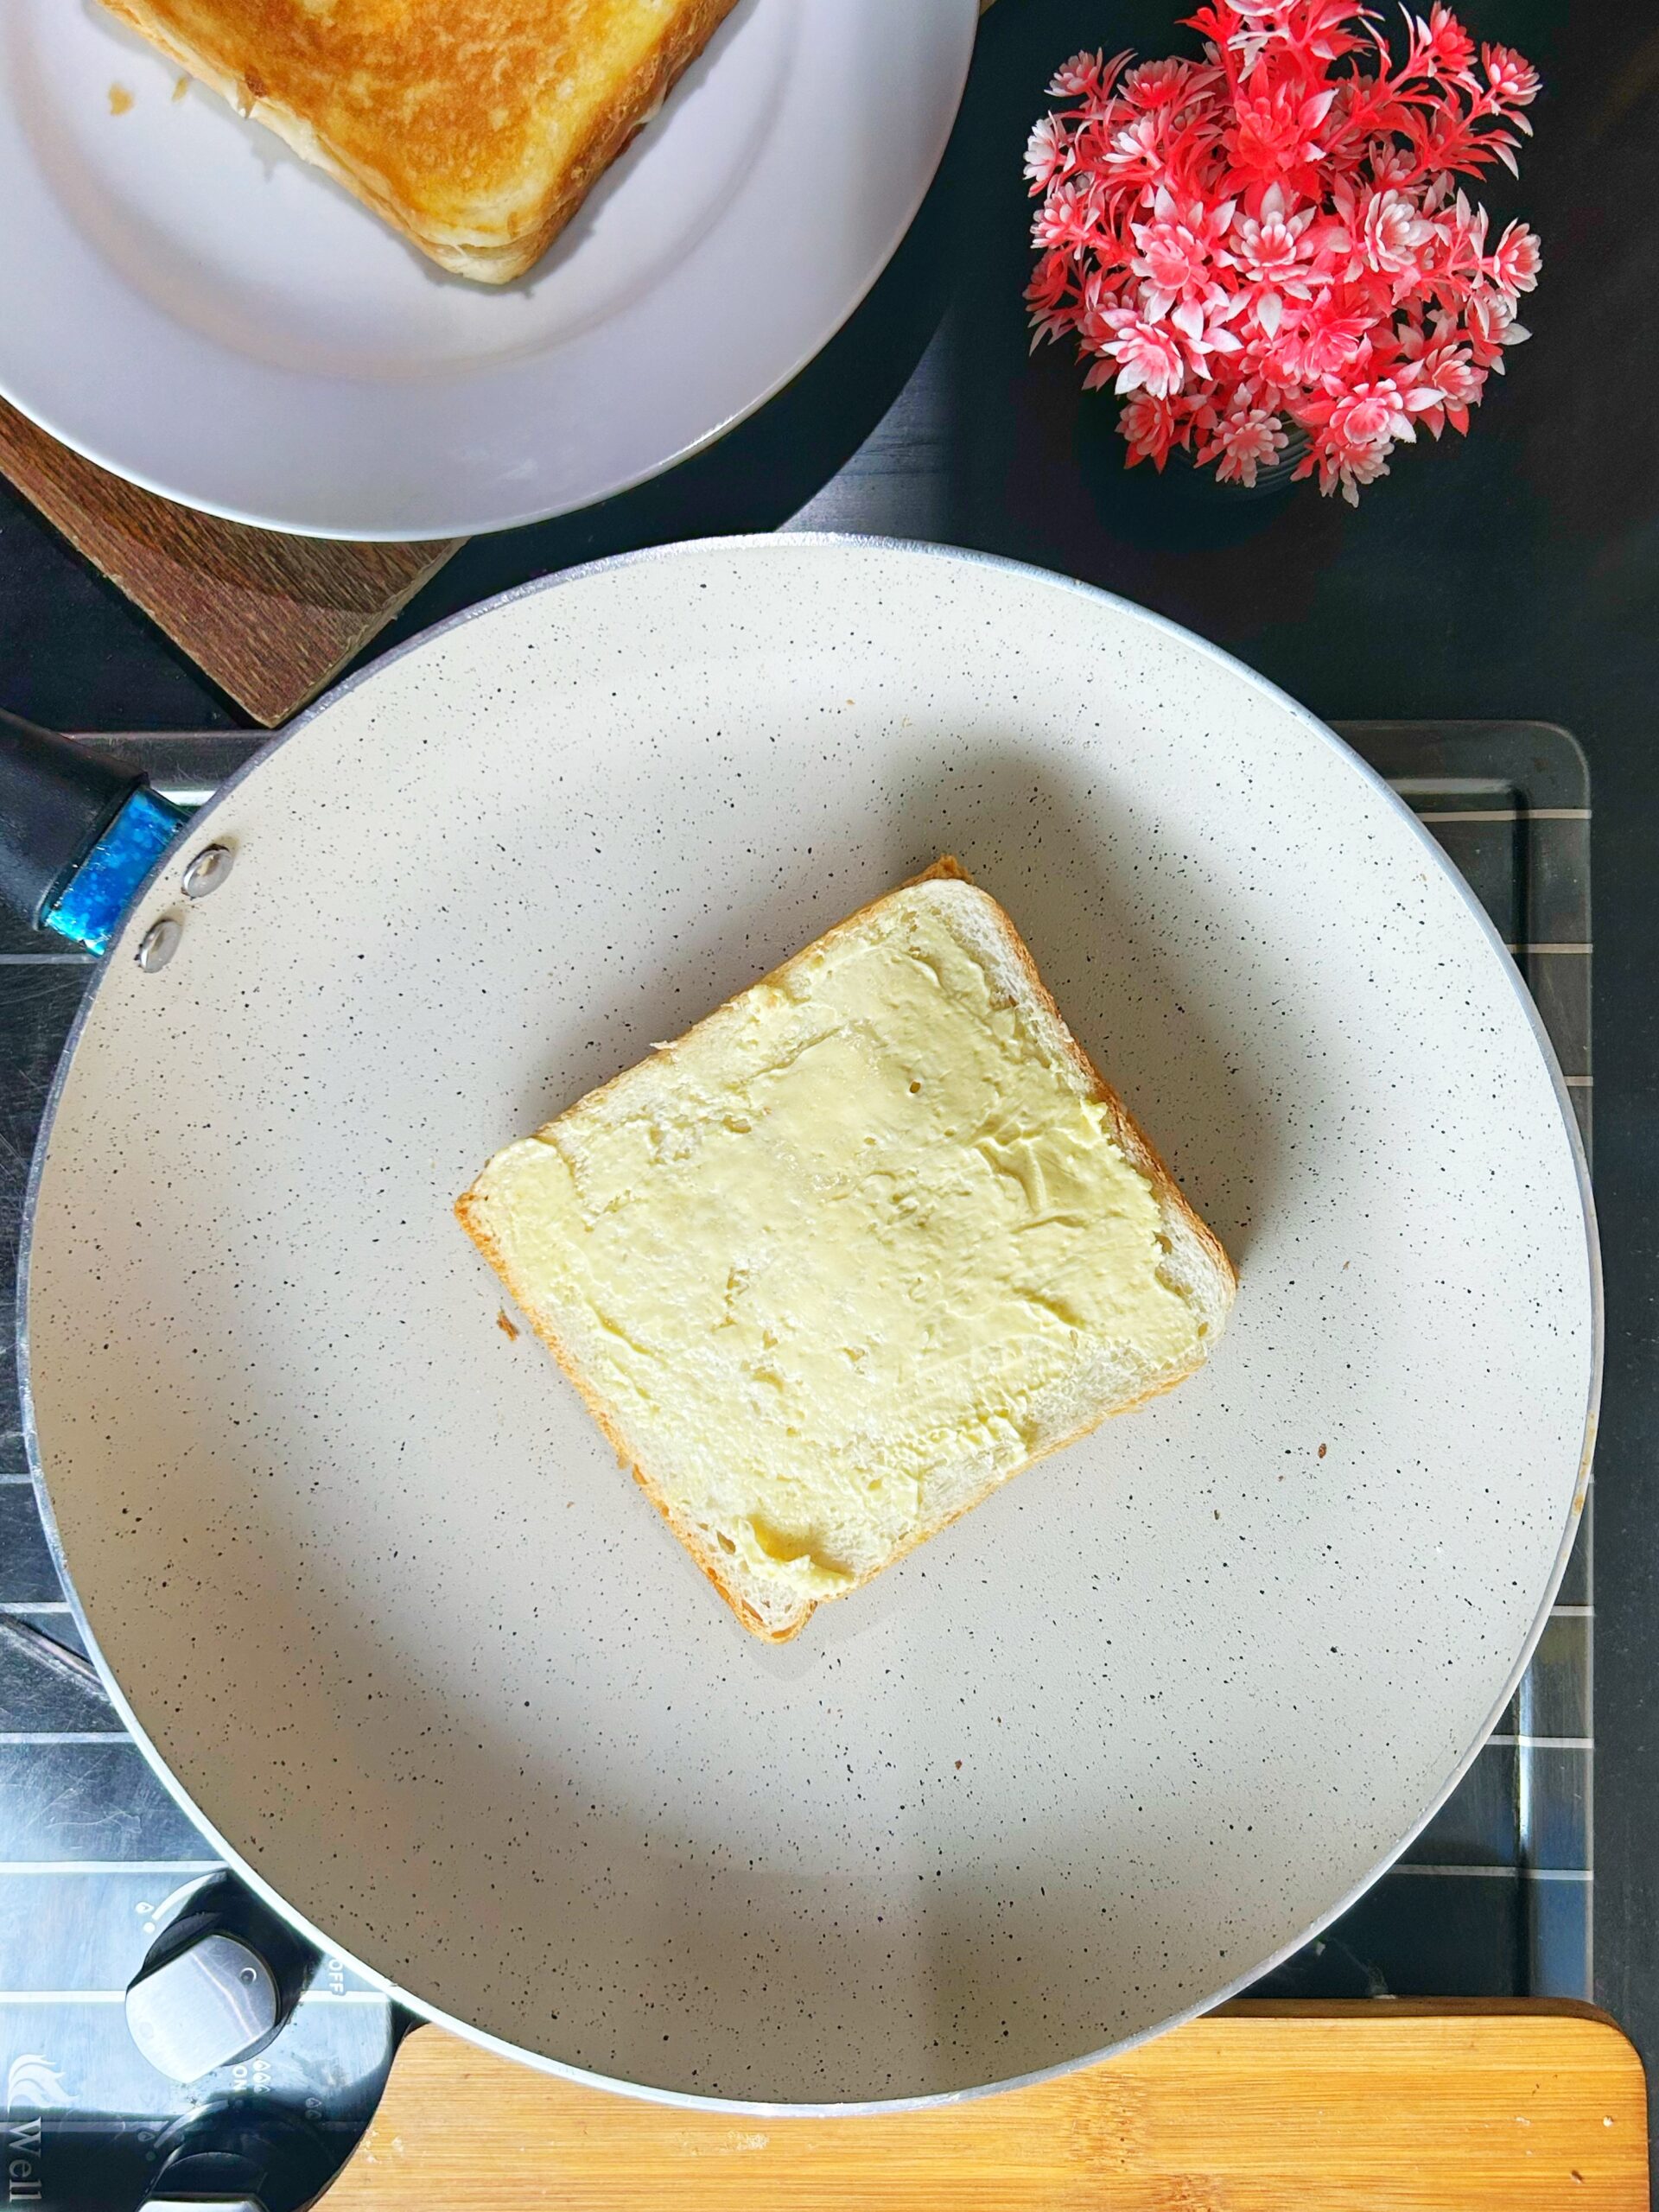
(100, 1872)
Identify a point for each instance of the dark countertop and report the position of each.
(1516, 574)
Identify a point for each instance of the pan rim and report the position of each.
(435, 2015)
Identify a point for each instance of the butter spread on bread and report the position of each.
(858, 1248)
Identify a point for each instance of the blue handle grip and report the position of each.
(78, 834)
(88, 909)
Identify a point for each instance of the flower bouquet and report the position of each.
(1267, 250)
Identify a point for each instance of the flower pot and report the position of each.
(1191, 482)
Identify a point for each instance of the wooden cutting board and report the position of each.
(1378, 2106)
(269, 617)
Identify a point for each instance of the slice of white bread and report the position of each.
(865, 1243)
(475, 127)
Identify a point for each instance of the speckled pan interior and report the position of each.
(381, 1598)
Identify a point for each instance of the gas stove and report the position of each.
(163, 2040)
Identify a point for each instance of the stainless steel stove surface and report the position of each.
(98, 1863)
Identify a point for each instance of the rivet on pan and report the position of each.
(207, 870)
(158, 944)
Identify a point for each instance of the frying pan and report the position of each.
(369, 1587)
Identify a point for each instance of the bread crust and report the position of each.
(478, 254)
(1127, 1133)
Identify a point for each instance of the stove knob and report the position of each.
(211, 2176)
(217, 1984)
(222, 2157)
(213, 2002)
(170, 2203)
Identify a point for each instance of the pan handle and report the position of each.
(78, 835)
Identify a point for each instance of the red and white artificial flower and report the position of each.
(1271, 243)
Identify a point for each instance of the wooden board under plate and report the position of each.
(267, 617)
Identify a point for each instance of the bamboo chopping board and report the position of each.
(1367, 2106)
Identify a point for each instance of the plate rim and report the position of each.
(1164, 625)
(335, 533)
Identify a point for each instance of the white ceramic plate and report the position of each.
(192, 306)
(379, 1595)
